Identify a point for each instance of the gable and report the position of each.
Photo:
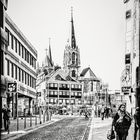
(68, 78)
(87, 74)
(58, 77)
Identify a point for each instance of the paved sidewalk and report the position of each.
(99, 129)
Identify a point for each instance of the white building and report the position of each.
(128, 79)
(19, 67)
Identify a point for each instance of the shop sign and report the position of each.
(12, 87)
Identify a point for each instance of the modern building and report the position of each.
(132, 55)
(19, 71)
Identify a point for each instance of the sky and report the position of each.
(99, 30)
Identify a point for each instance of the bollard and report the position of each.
(24, 122)
(43, 116)
(17, 123)
(35, 120)
(30, 121)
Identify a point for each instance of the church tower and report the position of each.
(71, 61)
(48, 64)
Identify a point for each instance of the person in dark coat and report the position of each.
(137, 122)
(121, 122)
(6, 117)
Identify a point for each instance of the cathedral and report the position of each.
(66, 85)
(71, 62)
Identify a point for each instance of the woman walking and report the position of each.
(121, 122)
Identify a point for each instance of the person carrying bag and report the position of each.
(121, 123)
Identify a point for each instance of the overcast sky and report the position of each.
(99, 30)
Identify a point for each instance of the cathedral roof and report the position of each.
(88, 70)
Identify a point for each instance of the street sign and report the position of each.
(12, 87)
(125, 89)
(38, 94)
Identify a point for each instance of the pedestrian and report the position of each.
(102, 112)
(6, 117)
(121, 122)
(137, 122)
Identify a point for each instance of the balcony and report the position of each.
(64, 88)
(53, 88)
(76, 89)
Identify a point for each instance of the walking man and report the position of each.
(6, 117)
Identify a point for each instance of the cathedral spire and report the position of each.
(50, 54)
(73, 40)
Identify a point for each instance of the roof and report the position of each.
(92, 75)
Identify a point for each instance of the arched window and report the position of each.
(73, 73)
(73, 58)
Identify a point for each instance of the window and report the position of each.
(22, 52)
(91, 86)
(73, 58)
(7, 31)
(28, 80)
(73, 73)
(16, 45)
(25, 55)
(23, 76)
(128, 14)
(55, 85)
(19, 70)
(15, 72)
(8, 67)
(19, 48)
(12, 69)
(11, 41)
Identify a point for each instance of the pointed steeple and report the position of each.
(73, 40)
(50, 54)
(46, 63)
(48, 58)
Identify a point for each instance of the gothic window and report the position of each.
(73, 73)
(73, 58)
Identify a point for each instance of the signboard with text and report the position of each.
(12, 87)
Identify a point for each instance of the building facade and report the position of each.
(91, 86)
(19, 68)
(129, 75)
(57, 88)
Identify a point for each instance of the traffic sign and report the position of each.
(12, 87)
